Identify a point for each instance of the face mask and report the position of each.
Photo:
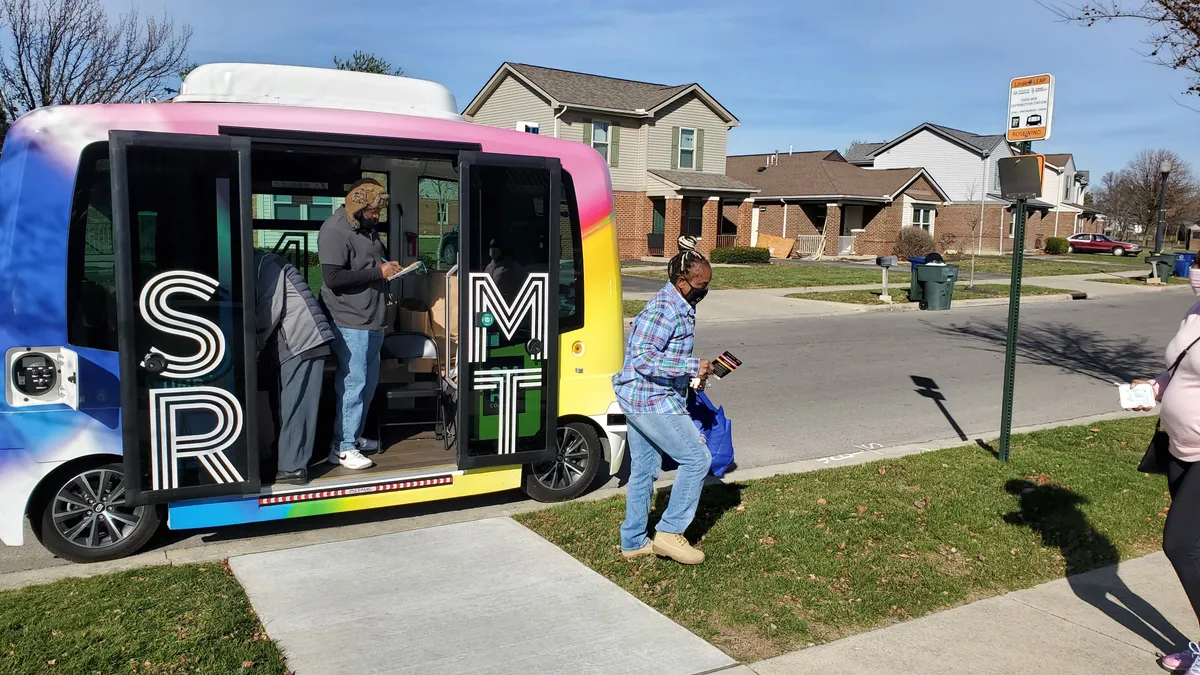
(494, 253)
(695, 295)
(1194, 277)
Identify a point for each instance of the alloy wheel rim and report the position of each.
(90, 510)
(570, 462)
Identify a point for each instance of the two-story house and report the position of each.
(966, 166)
(664, 144)
(1066, 188)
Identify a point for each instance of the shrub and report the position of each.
(913, 241)
(741, 254)
(1057, 245)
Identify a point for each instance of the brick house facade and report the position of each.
(664, 145)
(833, 207)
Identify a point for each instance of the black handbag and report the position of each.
(1158, 453)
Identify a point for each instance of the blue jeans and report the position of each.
(677, 437)
(354, 382)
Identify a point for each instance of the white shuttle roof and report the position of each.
(317, 88)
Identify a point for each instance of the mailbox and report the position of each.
(886, 261)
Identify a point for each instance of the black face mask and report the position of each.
(695, 295)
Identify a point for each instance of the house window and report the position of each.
(695, 218)
(528, 127)
(1012, 225)
(996, 176)
(1066, 189)
(923, 218)
(286, 210)
(600, 138)
(687, 148)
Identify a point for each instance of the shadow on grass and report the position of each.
(1053, 512)
(1103, 356)
(715, 502)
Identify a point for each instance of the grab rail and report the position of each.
(450, 379)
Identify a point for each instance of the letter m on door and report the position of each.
(530, 302)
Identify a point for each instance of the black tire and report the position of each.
(121, 532)
(923, 304)
(450, 254)
(573, 471)
(1118, 251)
(1070, 248)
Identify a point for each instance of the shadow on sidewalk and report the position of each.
(928, 388)
(1053, 512)
(1099, 355)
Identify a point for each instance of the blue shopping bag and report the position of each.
(716, 429)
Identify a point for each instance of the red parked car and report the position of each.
(1098, 243)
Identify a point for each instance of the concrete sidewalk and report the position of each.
(483, 597)
(1113, 620)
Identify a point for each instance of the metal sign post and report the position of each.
(1030, 110)
(1014, 315)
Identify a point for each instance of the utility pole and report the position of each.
(1165, 170)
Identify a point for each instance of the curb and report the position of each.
(258, 544)
(982, 302)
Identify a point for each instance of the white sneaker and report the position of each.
(366, 445)
(351, 459)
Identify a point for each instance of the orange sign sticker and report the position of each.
(1030, 81)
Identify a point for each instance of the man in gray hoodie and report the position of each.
(293, 331)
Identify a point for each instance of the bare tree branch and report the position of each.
(62, 52)
(1174, 40)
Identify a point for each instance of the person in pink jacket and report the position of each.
(1179, 416)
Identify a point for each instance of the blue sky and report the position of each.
(800, 73)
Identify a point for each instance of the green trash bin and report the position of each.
(1165, 263)
(914, 288)
(937, 285)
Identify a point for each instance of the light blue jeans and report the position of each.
(354, 382)
(677, 437)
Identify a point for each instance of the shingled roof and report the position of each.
(1059, 160)
(596, 92)
(861, 152)
(980, 144)
(821, 173)
(695, 180)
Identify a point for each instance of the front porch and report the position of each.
(820, 226)
(714, 209)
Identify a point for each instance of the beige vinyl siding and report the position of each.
(630, 172)
(691, 113)
(657, 187)
(513, 101)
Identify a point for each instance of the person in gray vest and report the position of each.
(355, 272)
(293, 331)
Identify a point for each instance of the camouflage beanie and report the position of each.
(365, 195)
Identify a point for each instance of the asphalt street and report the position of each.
(818, 387)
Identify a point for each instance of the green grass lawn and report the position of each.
(171, 619)
(981, 291)
(808, 558)
(1047, 266)
(800, 275)
(781, 275)
(1141, 281)
(632, 307)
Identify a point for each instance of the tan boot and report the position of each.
(642, 552)
(677, 548)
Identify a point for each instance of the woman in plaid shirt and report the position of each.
(652, 391)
